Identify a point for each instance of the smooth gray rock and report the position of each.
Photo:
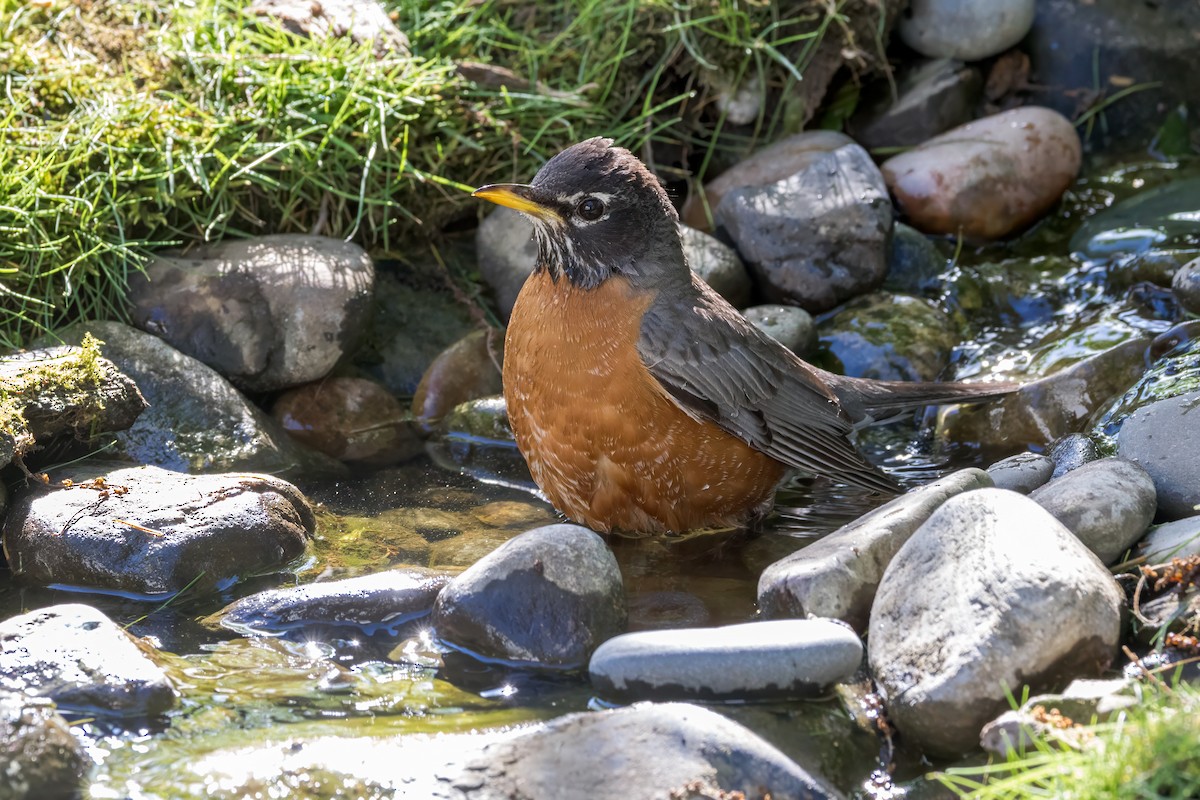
(791, 326)
(148, 530)
(1072, 452)
(1164, 438)
(267, 313)
(717, 264)
(1083, 702)
(837, 576)
(1186, 285)
(991, 592)
(818, 237)
(386, 600)
(41, 758)
(1178, 539)
(549, 596)
(83, 661)
(970, 30)
(925, 100)
(755, 661)
(915, 264)
(1022, 473)
(197, 421)
(1108, 504)
(890, 337)
(648, 751)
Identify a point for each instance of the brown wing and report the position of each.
(719, 367)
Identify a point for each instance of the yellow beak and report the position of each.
(517, 196)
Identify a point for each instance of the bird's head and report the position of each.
(597, 212)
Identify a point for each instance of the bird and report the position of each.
(642, 401)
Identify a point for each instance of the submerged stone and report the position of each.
(42, 759)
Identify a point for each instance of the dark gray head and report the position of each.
(598, 212)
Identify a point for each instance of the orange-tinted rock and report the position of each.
(781, 160)
(352, 419)
(988, 178)
(463, 371)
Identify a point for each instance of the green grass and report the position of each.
(1150, 751)
(131, 126)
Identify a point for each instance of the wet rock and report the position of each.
(1163, 438)
(1071, 452)
(914, 262)
(507, 253)
(467, 370)
(1159, 220)
(267, 313)
(967, 29)
(786, 157)
(754, 661)
(414, 323)
(1186, 285)
(549, 597)
(926, 99)
(196, 421)
(717, 264)
(988, 178)
(1022, 473)
(1178, 539)
(817, 237)
(890, 337)
(990, 592)
(83, 661)
(644, 752)
(1081, 52)
(350, 419)
(42, 759)
(1045, 409)
(364, 21)
(148, 530)
(1108, 504)
(791, 326)
(837, 576)
(387, 600)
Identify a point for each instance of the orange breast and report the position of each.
(603, 440)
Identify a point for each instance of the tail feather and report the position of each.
(865, 400)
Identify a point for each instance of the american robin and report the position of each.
(641, 400)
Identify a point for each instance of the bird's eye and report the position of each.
(590, 209)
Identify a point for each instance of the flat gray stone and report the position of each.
(967, 29)
(791, 326)
(548, 596)
(991, 592)
(1178, 539)
(1022, 473)
(754, 661)
(1108, 504)
(837, 576)
(1164, 438)
(148, 530)
(83, 661)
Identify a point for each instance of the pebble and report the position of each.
(837, 575)
(890, 337)
(773, 660)
(1022, 473)
(915, 265)
(466, 370)
(926, 99)
(780, 160)
(386, 599)
(991, 591)
(267, 313)
(197, 421)
(1164, 438)
(350, 419)
(970, 30)
(717, 264)
(791, 326)
(1108, 504)
(989, 178)
(817, 237)
(1071, 452)
(83, 661)
(42, 759)
(549, 596)
(1178, 539)
(1186, 285)
(1082, 702)
(149, 530)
